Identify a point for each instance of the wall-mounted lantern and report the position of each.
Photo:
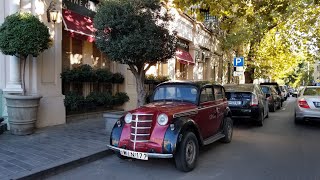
(52, 12)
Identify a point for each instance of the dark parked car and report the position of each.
(247, 101)
(277, 87)
(273, 97)
(181, 117)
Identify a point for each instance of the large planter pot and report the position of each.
(22, 113)
(110, 119)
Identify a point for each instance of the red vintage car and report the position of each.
(181, 117)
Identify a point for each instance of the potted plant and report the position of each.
(21, 35)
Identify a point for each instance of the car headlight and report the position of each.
(162, 119)
(128, 118)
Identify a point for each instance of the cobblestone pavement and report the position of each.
(49, 147)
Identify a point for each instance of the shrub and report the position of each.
(150, 79)
(85, 73)
(104, 75)
(73, 101)
(162, 78)
(117, 78)
(99, 98)
(120, 98)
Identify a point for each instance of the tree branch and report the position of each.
(133, 69)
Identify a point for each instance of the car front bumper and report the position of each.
(150, 155)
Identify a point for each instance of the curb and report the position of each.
(62, 166)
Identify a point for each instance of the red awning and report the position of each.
(184, 57)
(79, 26)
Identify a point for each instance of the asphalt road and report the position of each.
(279, 150)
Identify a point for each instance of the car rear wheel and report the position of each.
(187, 152)
(260, 121)
(297, 120)
(227, 130)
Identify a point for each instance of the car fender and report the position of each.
(172, 136)
(116, 132)
(227, 112)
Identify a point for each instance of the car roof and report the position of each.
(239, 87)
(197, 83)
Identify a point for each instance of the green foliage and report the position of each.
(151, 79)
(100, 98)
(120, 98)
(162, 78)
(117, 78)
(73, 101)
(104, 75)
(23, 34)
(85, 73)
(133, 32)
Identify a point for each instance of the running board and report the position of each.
(213, 138)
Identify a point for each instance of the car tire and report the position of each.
(278, 107)
(267, 116)
(261, 119)
(187, 152)
(227, 130)
(296, 120)
(273, 108)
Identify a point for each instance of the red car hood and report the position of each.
(169, 108)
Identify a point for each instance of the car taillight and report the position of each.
(303, 103)
(254, 100)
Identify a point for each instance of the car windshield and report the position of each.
(176, 93)
(265, 89)
(311, 92)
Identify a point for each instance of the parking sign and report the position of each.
(238, 61)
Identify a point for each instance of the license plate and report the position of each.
(317, 104)
(234, 102)
(133, 154)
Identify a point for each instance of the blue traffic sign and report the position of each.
(238, 61)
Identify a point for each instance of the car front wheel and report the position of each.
(187, 152)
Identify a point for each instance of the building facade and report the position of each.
(198, 56)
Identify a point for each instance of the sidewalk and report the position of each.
(52, 149)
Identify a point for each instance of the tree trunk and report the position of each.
(139, 74)
(23, 71)
(249, 73)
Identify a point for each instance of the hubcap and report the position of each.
(190, 152)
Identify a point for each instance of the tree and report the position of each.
(21, 35)
(245, 22)
(135, 32)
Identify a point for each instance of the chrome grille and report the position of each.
(140, 128)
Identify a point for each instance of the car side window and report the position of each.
(218, 93)
(206, 94)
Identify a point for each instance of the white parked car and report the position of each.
(308, 104)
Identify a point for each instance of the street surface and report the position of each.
(278, 150)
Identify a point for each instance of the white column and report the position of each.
(14, 83)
